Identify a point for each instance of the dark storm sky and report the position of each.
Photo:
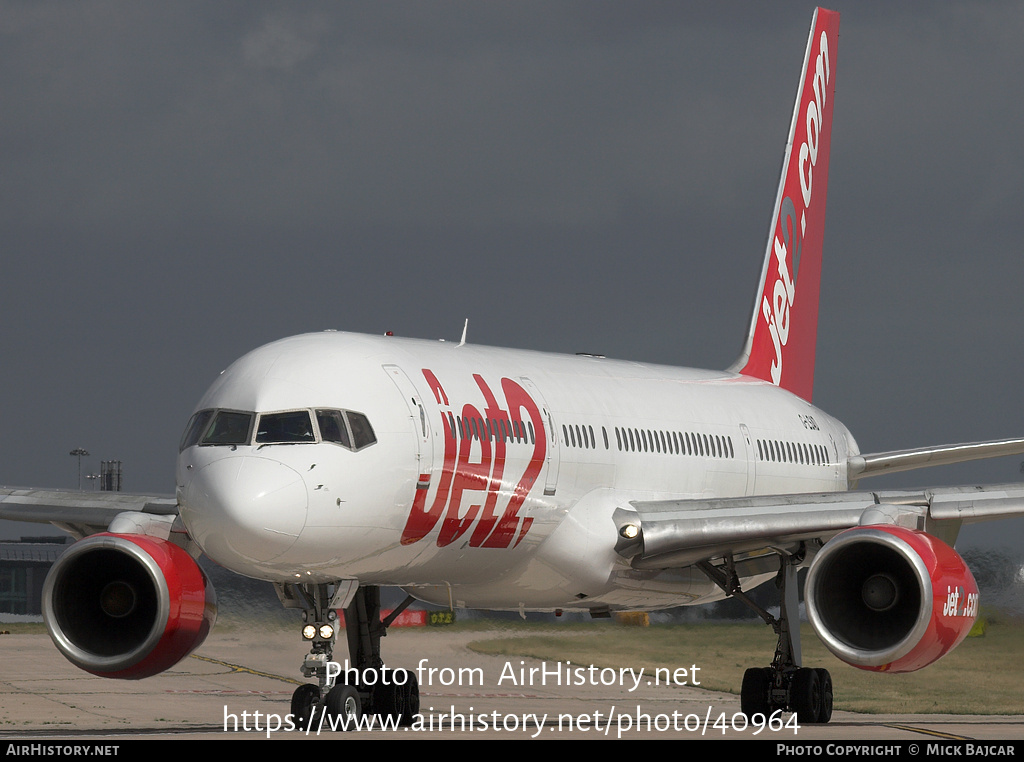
(183, 182)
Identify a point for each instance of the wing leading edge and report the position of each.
(80, 514)
(677, 533)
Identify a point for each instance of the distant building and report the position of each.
(24, 564)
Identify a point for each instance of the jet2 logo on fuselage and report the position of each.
(492, 430)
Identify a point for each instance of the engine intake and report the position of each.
(890, 599)
(127, 606)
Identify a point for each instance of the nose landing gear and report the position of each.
(362, 685)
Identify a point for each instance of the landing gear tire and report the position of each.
(805, 696)
(389, 699)
(825, 710)
(343, 702)
(757, 682)
(304, 701)
(410, 699)
(398, 697)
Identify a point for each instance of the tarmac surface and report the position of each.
(239, 685)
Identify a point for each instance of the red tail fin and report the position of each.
(784, 326)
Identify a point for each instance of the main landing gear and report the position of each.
(360, 686)
(785, 685)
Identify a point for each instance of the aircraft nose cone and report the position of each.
(245, 508)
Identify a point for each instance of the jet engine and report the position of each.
(127, 606)
(890, 599)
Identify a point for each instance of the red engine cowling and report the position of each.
(127, 606)
(890, 599)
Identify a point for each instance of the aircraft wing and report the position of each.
(79, 513)
(865, 465)
(677, 533)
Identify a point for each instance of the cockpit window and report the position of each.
(285, 428)
(228, 428)
(333, 427)
(194, 430)
(362, 432)
(349, 429)
(344, 427)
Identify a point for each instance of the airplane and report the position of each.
(332, 464)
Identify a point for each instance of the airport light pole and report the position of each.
(79, 451)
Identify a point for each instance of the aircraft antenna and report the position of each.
(465, 326)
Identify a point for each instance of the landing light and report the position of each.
(324, 631)
(630, 531)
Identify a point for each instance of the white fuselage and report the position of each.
(494, 472)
